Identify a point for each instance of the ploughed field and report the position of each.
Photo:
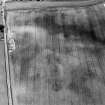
(57, 56)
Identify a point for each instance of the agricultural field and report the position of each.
(3, 84)
(57, 56)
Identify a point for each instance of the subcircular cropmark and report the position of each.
(55, 84)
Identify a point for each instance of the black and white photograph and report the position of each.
(52, 52)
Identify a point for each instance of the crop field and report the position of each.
(57, 56)
(3, 84)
